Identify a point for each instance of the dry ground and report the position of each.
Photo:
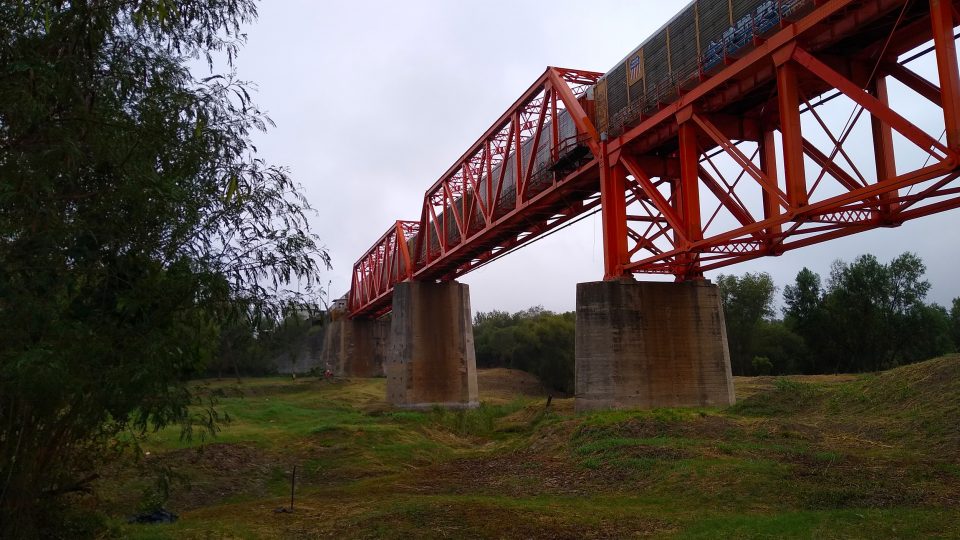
(825, 456)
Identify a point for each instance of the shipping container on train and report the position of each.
(694, 44)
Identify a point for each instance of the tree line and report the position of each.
(535, 340)
(866, 316)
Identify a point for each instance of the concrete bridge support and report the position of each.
(356, 347)
(431, 360)
(646, 344)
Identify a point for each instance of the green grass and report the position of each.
(801, 458)
(830, 524)
(788, 397)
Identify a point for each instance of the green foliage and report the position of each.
(762, 365)
(535, 340)
(137, 224)
(805, 317)
(786, 351)
(787, 397)
(747, 301)
(845, 523)
(478, 422)
(258, 348)
(929, 336)
(804, 297)
(870, 316)
(861, 305)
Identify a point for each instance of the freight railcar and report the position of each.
(693, 45)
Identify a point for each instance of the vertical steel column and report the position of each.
(789, 101)
(768, 164)
(689, 199)
(690, 181)
(490, 204)
(444, 230)
(941, 15)
(554, 124)
(517, 158)
(613, 212)
(674, 184)
(884, 156)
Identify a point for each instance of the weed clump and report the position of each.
(788, 397)
(477, 422)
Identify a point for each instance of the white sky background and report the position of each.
(374, 100)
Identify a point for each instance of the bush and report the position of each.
(536, 341)
(762, 365)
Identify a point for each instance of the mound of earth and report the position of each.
(502, 383)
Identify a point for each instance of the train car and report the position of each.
(693, 45)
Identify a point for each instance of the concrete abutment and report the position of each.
(651, 344)
(431, 359)
(356, 347)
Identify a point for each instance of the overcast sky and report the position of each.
(374, 100)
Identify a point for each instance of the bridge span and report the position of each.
(708, 145)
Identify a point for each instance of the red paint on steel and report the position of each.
(654, 181)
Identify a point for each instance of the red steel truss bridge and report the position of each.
(738, 154)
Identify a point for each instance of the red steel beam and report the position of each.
(942, 23)
(867, 201)
(384, 265)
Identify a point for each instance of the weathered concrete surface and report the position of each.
(432, 361)
(645, 344)
(355, 347)
(332, 345)
(305, 356)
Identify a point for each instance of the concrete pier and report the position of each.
(431, 360)
(356, 347)
(646, 344)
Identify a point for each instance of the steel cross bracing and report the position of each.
(811, 134)
(747, 164)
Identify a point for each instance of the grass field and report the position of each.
(874, 456)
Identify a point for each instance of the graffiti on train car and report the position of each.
(765, 18)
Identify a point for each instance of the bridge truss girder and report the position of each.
(743, 165)
(783, 188)
(489, 202)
